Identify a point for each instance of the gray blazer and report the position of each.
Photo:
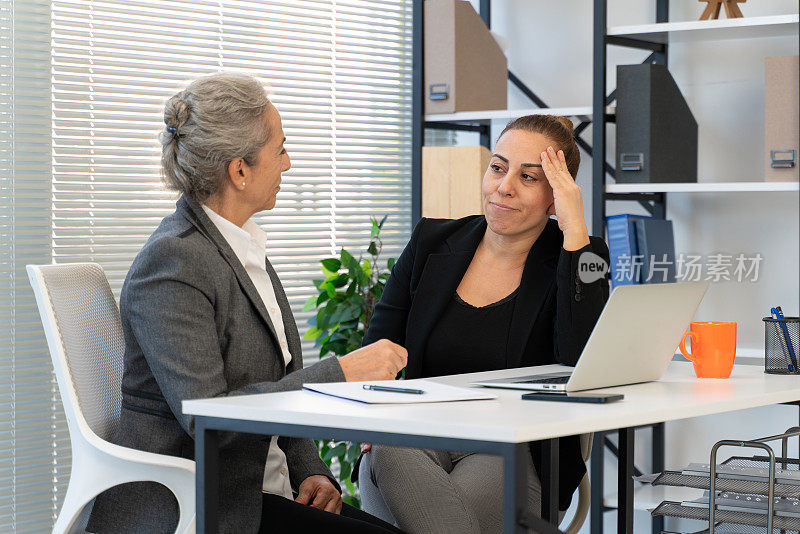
(195, 327)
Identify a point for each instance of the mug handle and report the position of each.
(682, 345)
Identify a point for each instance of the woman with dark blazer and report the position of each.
(204, 315)
(483, 293)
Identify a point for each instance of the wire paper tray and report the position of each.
(729, 528)
(754, 468)
(751, 487)
(753, 503)
(676, 509)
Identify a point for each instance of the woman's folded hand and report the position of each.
(381, 360)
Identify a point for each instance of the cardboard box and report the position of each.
(465, 69)
(451, 180)
(781, 123)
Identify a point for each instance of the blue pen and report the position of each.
(786, 341)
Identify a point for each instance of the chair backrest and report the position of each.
(84, 334)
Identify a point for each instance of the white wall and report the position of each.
(723, 83)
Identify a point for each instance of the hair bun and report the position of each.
(176, 113)
(567, 123)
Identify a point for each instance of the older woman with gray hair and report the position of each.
(204, 315)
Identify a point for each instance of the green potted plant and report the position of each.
(345, 303)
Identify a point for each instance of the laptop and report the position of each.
(633, 341)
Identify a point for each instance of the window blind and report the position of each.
(84, 82)
(34, 447)
(339, 73)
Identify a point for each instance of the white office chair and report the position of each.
(584, 489)
(82, 325)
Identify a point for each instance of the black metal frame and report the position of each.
(626, 470)
(654, 203)
(656, 206)
(515, 519)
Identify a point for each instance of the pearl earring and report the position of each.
(242, 184)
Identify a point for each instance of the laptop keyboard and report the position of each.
(551, 380)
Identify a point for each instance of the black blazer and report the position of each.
(554, 313)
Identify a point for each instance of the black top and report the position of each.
(469, 339)
(554, 312)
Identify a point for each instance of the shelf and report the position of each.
(709, 30)
(647, 496)
(707, 187)
(483, 117)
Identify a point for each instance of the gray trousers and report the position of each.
(424, 491)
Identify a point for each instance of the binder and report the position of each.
(622, 248)
(655, 242)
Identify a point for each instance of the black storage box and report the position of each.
(656, 131)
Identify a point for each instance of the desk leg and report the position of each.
(625, 481)
(596, 480)
(206, 452)
(549, 481)
(514, 486)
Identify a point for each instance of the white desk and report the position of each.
(501, 427)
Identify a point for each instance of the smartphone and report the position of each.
(594, 398)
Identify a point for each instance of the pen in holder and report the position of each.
(781, 345)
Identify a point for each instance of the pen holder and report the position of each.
(776, 345)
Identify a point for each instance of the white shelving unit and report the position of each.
(782, 27)
(707, 187)
(583, 112)
(708, 30)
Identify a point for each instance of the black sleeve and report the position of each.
(391, 312)
(578, 304)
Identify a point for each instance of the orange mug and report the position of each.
(713, 348)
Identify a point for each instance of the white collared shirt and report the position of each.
(249, 243)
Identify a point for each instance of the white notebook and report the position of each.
(433, 392)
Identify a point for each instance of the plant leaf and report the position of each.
(350, 313)
(311, 303)
(353, 452)
(332, 264)
(323, 317)
(373, 248)
(341, 280)
(390, 263)
(377, 290)
(380, 225)
(345, 468)
(346, 257)
(312, 333)
(334, 452)
(330, 290)
(351, 290)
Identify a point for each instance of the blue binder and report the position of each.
(622, 248)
